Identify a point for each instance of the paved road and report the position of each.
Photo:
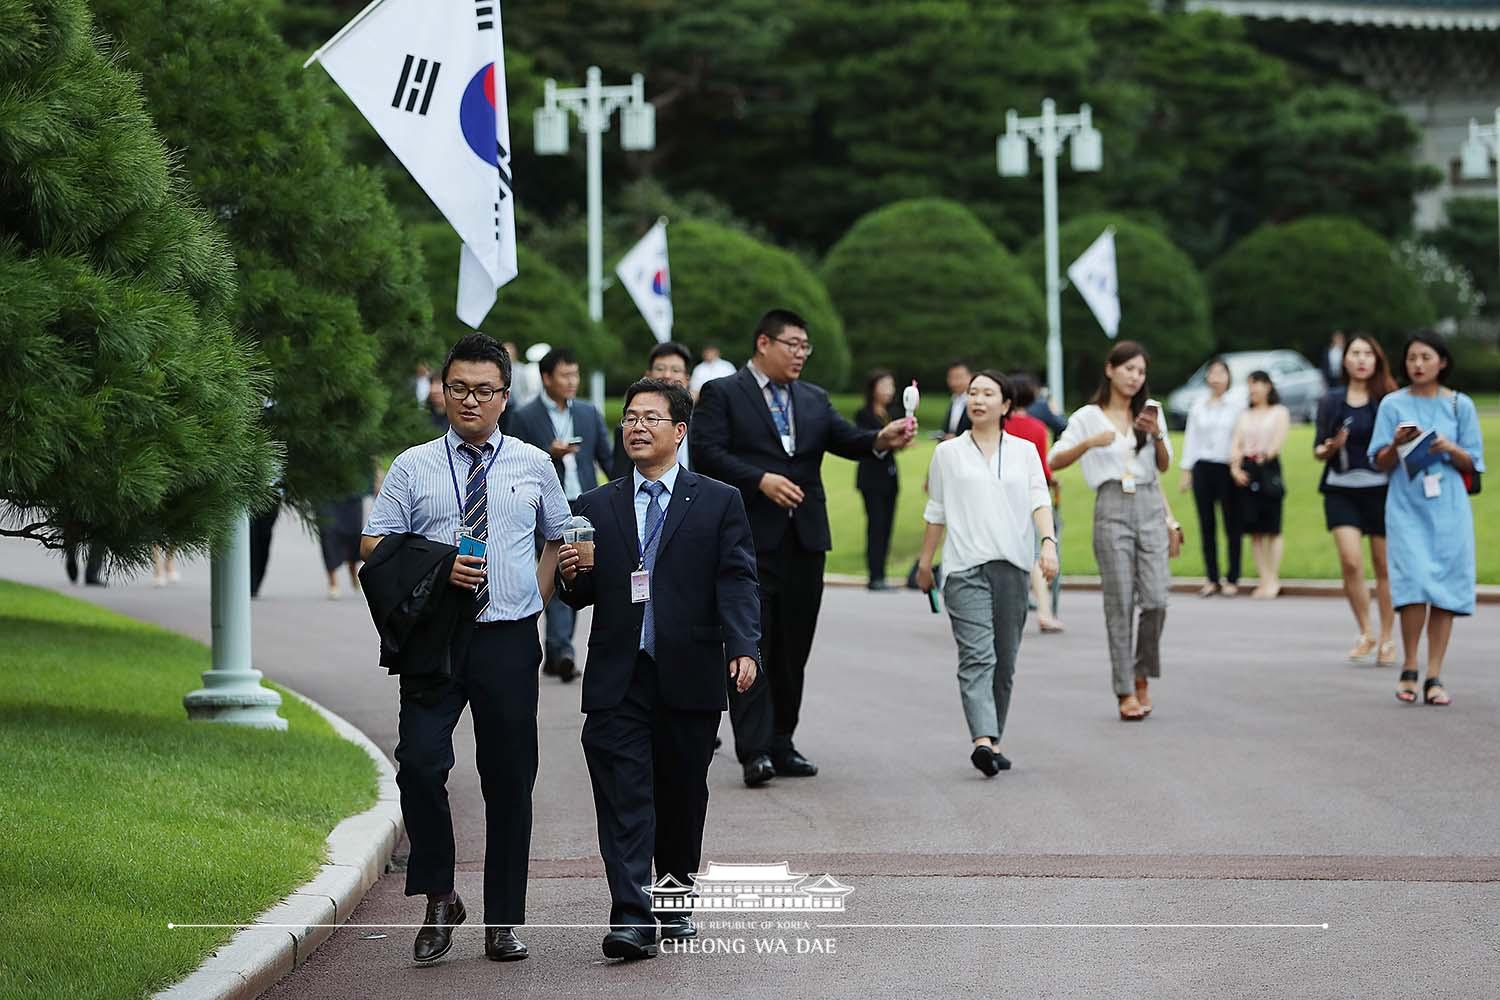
(1274, 785)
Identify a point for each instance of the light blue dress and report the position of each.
(1430, 540)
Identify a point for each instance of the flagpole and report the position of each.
(339, 35)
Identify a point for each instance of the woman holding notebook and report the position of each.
(1427, 437)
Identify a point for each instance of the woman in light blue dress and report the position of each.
(1428, 521)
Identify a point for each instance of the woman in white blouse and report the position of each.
(1205, 471)
(1123, 446)
(986, 488)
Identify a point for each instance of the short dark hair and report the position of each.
(958, 363)
(557, 356)
(773, 322)
(479, 347)
(670, 347)
(1023, 386)
(1273, 397)
(1007, 391)
(1439, 346)
(679, 400)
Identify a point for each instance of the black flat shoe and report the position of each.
(629, 944)
(436, 936)
(502, 945)
(792, 764)
(566, 669)
(759, 770)
(678, 928)
(984, 759)
(1002, 761)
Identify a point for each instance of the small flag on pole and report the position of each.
(429, 75)
(1093, 274)
(644, 273)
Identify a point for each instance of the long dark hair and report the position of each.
(1439, 347)
(1125, 351)
(1273, 397)
(871, 381)
(1007, 391)
(1380, 382)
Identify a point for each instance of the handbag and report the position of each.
(1472, 482)
(1265, 481)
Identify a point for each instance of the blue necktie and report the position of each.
(779, 411)
(654, 515)
(476, 516)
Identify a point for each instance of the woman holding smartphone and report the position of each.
(1354, 490)
(1123, 445)
(989, 496)
(1429, 523)
(1255, 466)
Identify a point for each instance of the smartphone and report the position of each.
(575, 440)
(933, 602)
(468, 545)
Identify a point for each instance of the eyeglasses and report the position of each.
(482, 393)
(801, 347)
(650, 420)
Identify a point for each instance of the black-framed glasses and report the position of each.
(650, 420)
(801, 347)
(482, 393)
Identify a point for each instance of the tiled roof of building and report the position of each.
(1462, 15)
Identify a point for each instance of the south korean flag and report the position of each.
(429, 75)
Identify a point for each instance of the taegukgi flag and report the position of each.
(1093, 274)
(429, 75)
(644, 273)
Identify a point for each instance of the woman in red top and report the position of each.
(1024, 425)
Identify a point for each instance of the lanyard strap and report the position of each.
(453, 472)
(999, 453)
(651, 535)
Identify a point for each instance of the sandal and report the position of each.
(1130, 708)
(1363, 650)
(1230, 590)
(1407, 694)
(1430, 685)
(1208, 590)
(1142, 697)
(1387, 657)
(1049, 626)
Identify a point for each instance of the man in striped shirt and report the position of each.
(478, 482)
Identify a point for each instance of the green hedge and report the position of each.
(922, 281)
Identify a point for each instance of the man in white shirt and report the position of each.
(711, 367)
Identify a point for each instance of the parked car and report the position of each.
(1298, 381)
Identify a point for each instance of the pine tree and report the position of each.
(331, 283)
(130, 407)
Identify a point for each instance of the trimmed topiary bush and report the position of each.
(922, 281)
(1163, 303)
(1292, 285)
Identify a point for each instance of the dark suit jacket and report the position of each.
(417, 612)
(959, 426)
(704, 593)
(876, 476)
(533, 425)
(733, 438)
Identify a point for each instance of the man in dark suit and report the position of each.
(670, 362)
(958, 377)
(765, 432)
(572, 432)
(675, 604)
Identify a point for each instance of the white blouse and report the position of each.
(986, 503)
(1210, 431)
(1102, 465)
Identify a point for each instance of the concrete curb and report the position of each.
(359, 849)
(1483, 594)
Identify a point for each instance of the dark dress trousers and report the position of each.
(648, 737)
(733, 438)
(877, 484)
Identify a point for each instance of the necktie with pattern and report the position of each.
(654, 515)
(779, 411)
(476, 515)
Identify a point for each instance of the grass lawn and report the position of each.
(1309, 549)
(117, 815)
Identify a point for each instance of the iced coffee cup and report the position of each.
(580, 534)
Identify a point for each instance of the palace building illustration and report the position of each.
(750, 887)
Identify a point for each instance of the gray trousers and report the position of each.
(987, 608)
(1130, 545)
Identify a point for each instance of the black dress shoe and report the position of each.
(718, 743)
(984, 759)
(502, 945)
(678, 928)
(759, 770)
(793, 765)
(566, 669)
(629, 943)
(549, 667)
(436, 935)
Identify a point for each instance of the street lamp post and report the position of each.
(1484, 142)
(594, 103)
(1049, 132)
